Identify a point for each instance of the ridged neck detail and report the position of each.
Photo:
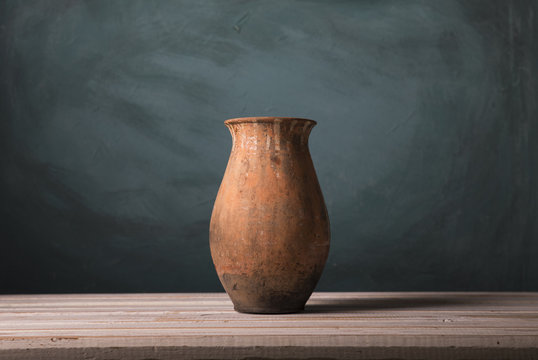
(270, 134)
(267, 119)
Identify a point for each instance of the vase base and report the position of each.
(264, 310)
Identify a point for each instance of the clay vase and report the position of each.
(269, 231)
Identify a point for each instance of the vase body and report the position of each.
(269, 231)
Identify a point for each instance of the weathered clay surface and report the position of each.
(269, 231)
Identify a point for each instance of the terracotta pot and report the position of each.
(269, 232)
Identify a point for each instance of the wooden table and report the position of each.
(334, 325)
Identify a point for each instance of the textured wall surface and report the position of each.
(112, 145)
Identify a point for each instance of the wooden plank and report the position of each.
(334, 325)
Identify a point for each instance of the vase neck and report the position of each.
(270, 134)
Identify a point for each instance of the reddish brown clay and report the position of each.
(269, 231)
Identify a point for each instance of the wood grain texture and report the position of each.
(334, 325)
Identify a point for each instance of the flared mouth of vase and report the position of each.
(267, 119)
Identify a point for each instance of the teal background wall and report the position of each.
(112, 144)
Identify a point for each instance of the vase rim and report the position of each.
(266, 119)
